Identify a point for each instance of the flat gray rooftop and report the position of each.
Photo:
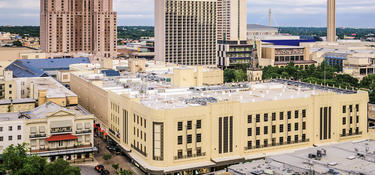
(356, 157)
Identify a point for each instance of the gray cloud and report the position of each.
(285, 12)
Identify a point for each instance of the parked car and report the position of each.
(99, 168)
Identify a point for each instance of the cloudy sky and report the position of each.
(350, 13)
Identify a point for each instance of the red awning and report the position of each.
(62, 137)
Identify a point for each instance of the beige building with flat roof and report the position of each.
(185, 31)
(78, 26)
(166, 129)
(274, 55)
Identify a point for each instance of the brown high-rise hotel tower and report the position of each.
(78, 26)
(331, 20)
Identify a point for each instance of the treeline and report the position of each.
(361, 33)
(32, 31)
(124, 32)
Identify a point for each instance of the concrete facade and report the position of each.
(331, 20)
(78, 26)
(185, 31)
(231, 20)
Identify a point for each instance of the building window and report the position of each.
(257, 118)
(249, 118)
(199, 124)
(199, 151)
(343, 132)
(179, 140)
(343, 109)
(303, 137)
(296, 138)
(19, 137)
(350, 108)
(289, 115)
(257, 131)
(303, 125)
(19, 127)
(179, 154)
(357, 119)
(344, 120)
(265, 129)
(188, 139)
(249, 131)
(10, 128)
(357, 107)
(274, 116)
(257, 143)
(189, 125)
(281, 128)
(199, 138)
(296, 126)
(1, 129)
(10, 138)
(179, 126)
(304, 113)
(296, 114)
(249, 144)
(189, 153)
(289, 127)
(273, 129)
(1, 138)
(281, 115)
(351, 120)
(289, 139)
(265, 117)
(281, 140)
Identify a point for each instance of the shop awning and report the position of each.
(62, 137)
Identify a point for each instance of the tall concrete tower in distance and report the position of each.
(76, 26)
(331, 20)
(185, 31)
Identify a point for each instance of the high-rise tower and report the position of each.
(185, 31)
(231, 20)
(78, 26)
(331, 20)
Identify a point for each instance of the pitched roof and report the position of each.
(37, 67)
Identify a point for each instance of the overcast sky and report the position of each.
(350, 13)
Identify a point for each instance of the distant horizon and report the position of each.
(248, 23)
(286, 13)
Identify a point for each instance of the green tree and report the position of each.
(14, 158)
(115, 166)
(107, 157)
(16, 161)
(124, 172)
(34, 165)
(17, 43)
(229, 75)
(61, 167)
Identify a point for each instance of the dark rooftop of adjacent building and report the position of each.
(38, 67)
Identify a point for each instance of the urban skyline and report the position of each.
(141, 12)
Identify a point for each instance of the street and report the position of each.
(116, 159)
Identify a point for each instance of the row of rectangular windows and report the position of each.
(350, 108)
(189, 125)
(273, 115)
(281, 141)
(189, 139)
(273, 130)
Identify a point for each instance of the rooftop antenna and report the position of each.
(270, 17)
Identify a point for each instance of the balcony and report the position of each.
(277, 144)
(61, 131)
(86, 131)
(35, 136)
(189, 156)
